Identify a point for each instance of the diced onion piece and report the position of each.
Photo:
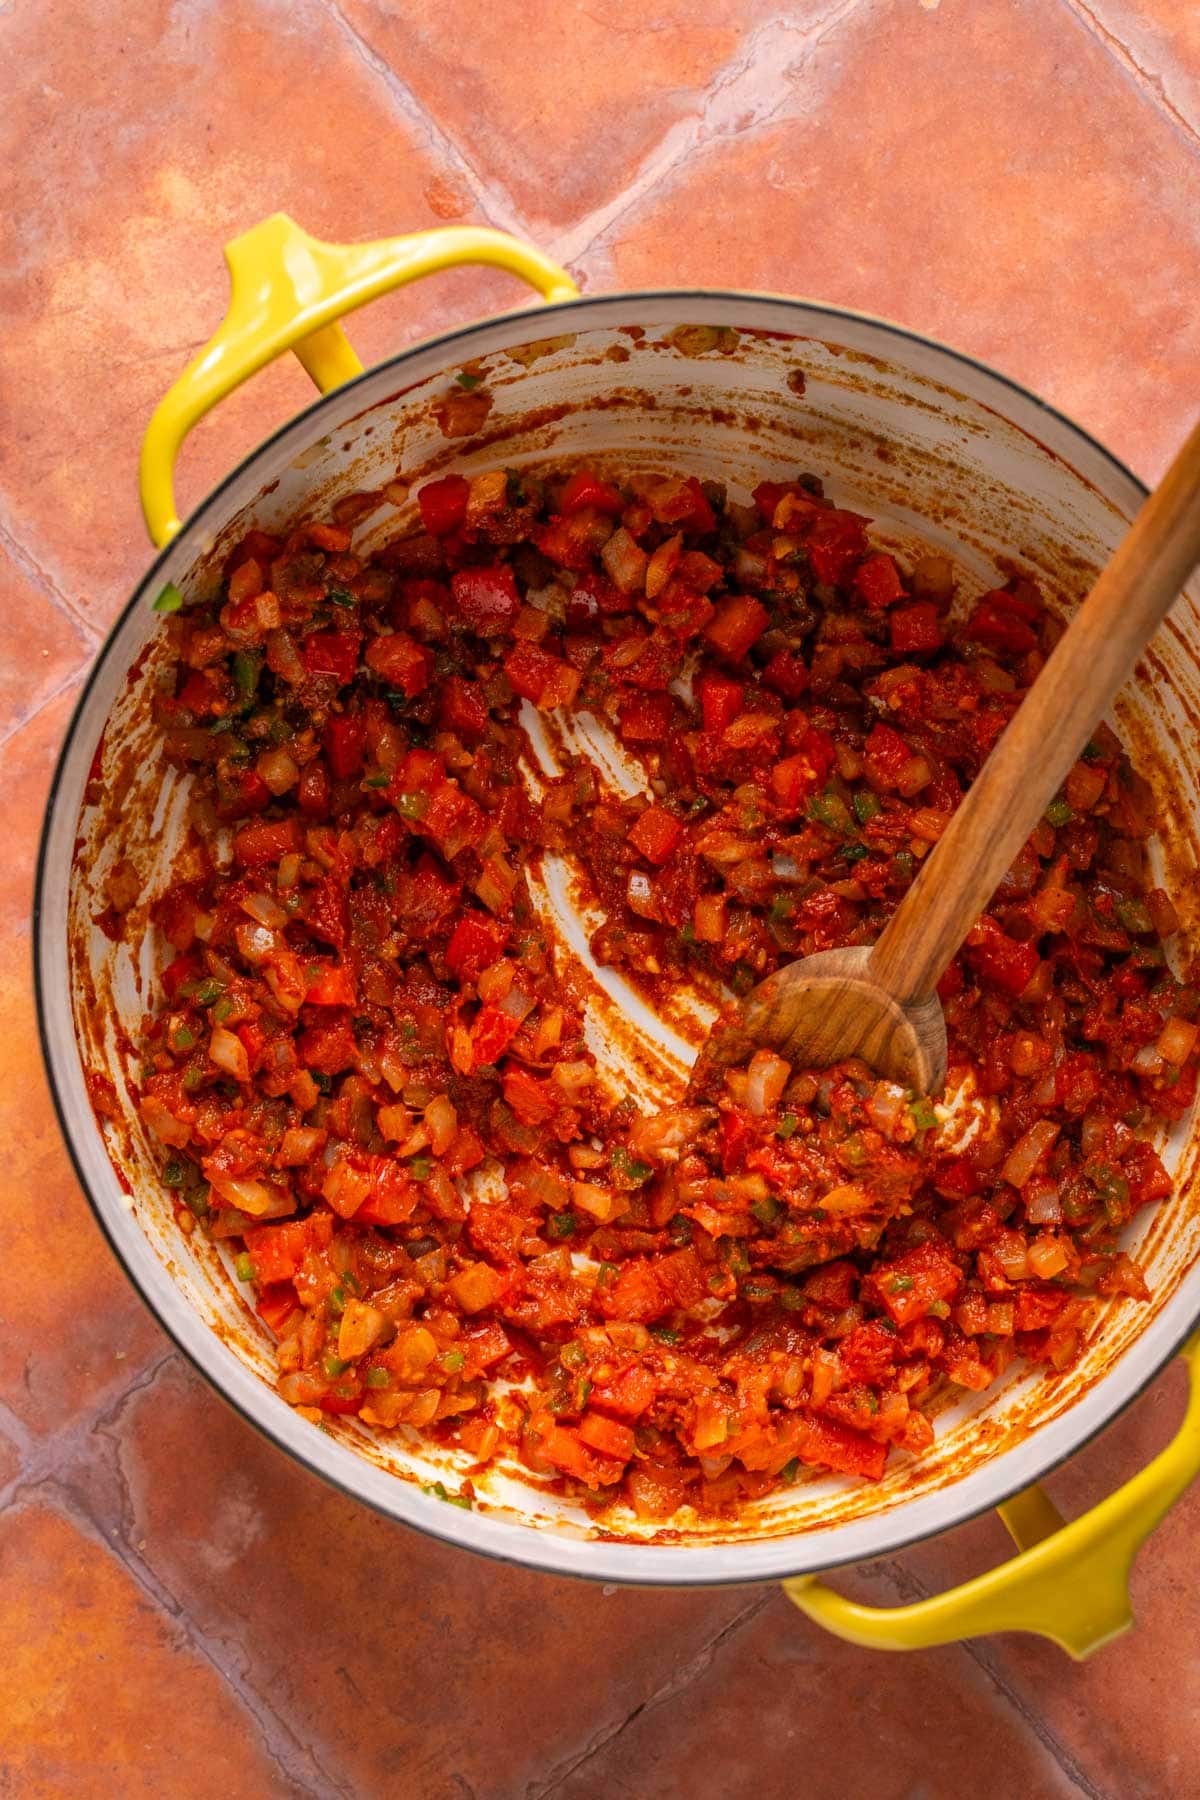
(602, 1203)
(639, 895)
(1012, 1255)
(496, 885)
(517, 1004)
(278, 769)
(301, 1389)
(1043, 1203)
(662, 1135)
(260, 1199)
(710, 919)
(299, 1144)
(476, 1286)
(265, 910)
(1028, 1151)
(256, 942)
(624, 561)
(1176, 1041)
(162, 1122)
(361, 1328)
(846, 1200)
(766, 1078)
(1047, 1257)
(1162, 912)
(662, 565)
(1148, 1061)
(441, 1121)
(573, 1077)
(227, 1050)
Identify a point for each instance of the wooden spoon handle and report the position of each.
(1081, 678)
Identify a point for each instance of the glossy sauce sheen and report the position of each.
(368, 1068)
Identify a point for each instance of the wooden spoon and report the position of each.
(879, 1002)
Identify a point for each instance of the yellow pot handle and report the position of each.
(1070, 1583)
(287, 292)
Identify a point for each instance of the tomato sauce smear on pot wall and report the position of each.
(368, 1069)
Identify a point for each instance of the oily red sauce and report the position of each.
(367, 1066)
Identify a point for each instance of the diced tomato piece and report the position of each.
(595, 597)
(563, 1448)
(739, 623)
(908, 1286)
(462, 707)
(465, 1153)
(787, 674)
(532, 1100)
(870, 1351)
(655, 834)
(401, 661)
(684, 504)
(476, 942)
(916, 629)
(345, 743)
(328, 1048)
(735, 1135)
(1038, 1307)
(886, 755)
(265, 842)
(393, 1198)
(877, 581)
(486, 599)
(586, 488)
(1000, 961)
(606, 1436)
(345, 1396)
(486, 1342)
(277, 1251)
(540, 677)
(831, 1445)
(177, 974)
(277, 1306)
(646, 718)
(443, 504)
(834, 540)
(635, 1295)
(491, 1034)
(766, 497)
(720, 701)
(331, 985)
(1004, 622)
(332, 653)
(630, 1393)
(797, 778)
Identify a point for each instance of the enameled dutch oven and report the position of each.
(725, 385)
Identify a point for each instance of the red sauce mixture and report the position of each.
(368, 1067)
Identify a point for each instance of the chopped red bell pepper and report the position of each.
(265, 842)
(486, 599)
(999, 960)
(402, 662)
(329, 984)
(476, 942)
(655, 834)
(332, 653)
(537, 676)
(462, 707)
(646, 718)
(443, 504)
(834, 540)
(586, 488)
(740, 621)
(877, 581)
(345, 744)
(491, 1034)
(720, 701)
(916, 629)
(1004, 622)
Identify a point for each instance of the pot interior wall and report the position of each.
(935, 451)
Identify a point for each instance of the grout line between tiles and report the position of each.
(49, 1477)
(70, 680)
(1151, 85)
(12, 547)
(676, 1684)
(496, 204)
(743, 95)
(908, 1589)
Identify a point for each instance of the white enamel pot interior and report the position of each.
(930, 445)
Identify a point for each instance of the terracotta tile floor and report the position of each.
(1021, 177)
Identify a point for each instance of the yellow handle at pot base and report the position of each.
(1069, 1582)
(287, 292)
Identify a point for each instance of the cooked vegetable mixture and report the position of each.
(368, 1070)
